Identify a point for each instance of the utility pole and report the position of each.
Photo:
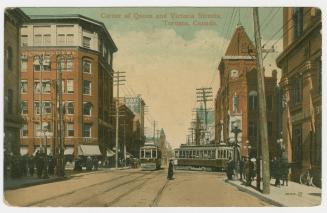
(118, 81)
(262, 106)
(154, 132)
(204, 95)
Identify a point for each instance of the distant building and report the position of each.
(137, 105)
(14, 18)
(82, 49)
(236, 103)
(301, 85)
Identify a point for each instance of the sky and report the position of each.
(168, 52)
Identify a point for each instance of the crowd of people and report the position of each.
(17, 166)
(246, 170)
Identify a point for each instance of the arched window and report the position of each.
(70, 108)
(87, 108)
(253, 100)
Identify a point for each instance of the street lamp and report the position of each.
(236, 131)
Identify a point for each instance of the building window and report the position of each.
(37, 107)
(9, 57)
(252, 129)
(297, 22)
(24, 108)
(47, 39)
(297, 91)
(69, 63)
(10, 101)
(253, 100)
(61, 39)
(23, 86)
(234, 73)
(86, 42)
(24, 130)
(37, 40)
(46, 62)
(23, 64)
(60, 63)
(46, 107)
(36, 64)
(37, 87)
(70, 39)
(70, 86)
(297, 144)
(87, 109)
(86, 67)
(269, 102)
(24, 40)
(46, 86)
(37, 129)
(86, 87)
(70, 129)
(87, 130)
(70, 108)
(235, 103)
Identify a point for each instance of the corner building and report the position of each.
(301, 84)
(82, 50)
(236, 103)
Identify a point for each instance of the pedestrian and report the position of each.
(31, 166)
(95, 163)
(230, 168)
(39, 164)
(241, 168)
(89, 163)
(51, 165)
(170, 170)
(278, 172)
(251, 170)
(246, 169)
(284, 173)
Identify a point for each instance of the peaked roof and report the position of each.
(240, 44)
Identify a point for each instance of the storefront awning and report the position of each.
(89, 150)
(110, 153)
(69, 151)
(23, 150)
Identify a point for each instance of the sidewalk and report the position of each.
(28, 181)
(293, 195)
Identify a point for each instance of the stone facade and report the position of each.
(301, 83)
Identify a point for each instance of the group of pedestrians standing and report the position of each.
(17, 166)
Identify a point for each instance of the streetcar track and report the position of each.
(130, 191)
(109, 189)
(155, 202)
(76, 190)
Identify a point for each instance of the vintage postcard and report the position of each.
(162, 106)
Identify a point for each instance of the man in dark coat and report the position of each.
(241, 168)
(31, 165)
(230, 168)
(170, 170)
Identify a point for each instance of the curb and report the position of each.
(24, 185)
(257, 194)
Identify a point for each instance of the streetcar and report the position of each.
(150, 157)
(203, 157)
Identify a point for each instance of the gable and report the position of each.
(240, 44)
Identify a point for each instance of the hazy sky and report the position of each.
(166, 61)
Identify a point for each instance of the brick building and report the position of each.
(301, 84)
(236, 102)
(82, 50)
(14, 17)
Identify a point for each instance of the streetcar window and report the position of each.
(148, 154)
(142, 153)
(154, 153)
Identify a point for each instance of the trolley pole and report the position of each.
(262, 106)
